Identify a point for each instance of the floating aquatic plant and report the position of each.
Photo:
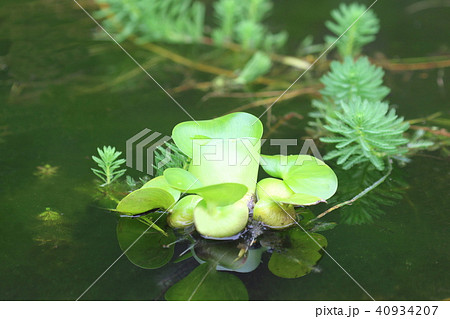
(352, 78)
(365, 131)
(364, 28)
(109, 164)
(223, 186)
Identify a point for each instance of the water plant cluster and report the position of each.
(216, 209)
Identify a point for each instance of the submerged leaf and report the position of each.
(205, 283)
(300, 257)
(150, 251)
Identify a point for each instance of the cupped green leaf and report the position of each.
(271, 188)
(181, 179)
(301, 200)
(150, 251)
(226, 160)
(217, 195)
(160, 182)
(205, 283)
(304, 174)
(274, 215)
(222, 194)
(234, 125)
(220, 222)
(300, 257)
(145, 199)
(182, 214)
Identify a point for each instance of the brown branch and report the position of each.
(441, 132)
(287, 96)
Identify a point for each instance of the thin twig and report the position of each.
(424, 63)
(364, 192)
(269, 101)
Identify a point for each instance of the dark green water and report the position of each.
(48, 59)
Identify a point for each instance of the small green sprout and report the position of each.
(109, 163)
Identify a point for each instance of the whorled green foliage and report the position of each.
(172, 21)
(365, 131)
(241, 22)
(361, 33)
(352, 78)
(109, 162)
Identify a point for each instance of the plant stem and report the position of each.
(364, 192)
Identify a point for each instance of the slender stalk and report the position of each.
(268, 101)
(364, 192)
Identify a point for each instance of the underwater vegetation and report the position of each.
(46, 171)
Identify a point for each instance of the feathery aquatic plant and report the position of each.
(352, 78)
(109, 162)
(365, 131)
(241, 22)
(169, 157)
(360, 34)
(172, 21)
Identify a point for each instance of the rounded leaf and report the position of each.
(160, 182)
(220, 222)
(205, 283)
(145, 199)
(300, 258)
(274, 215)
(182, 214)
(149, 251)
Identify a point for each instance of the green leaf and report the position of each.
(160, 182)
(223, 150)
(298, 259)
(234, 125)
(182, 214)
(222, 194)
(219, 194)
(274, 215)
(205, 283)
(145, 199)
(301, 200)
(304, 174)
(219, 222)
(181, 179)
(149, 251)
